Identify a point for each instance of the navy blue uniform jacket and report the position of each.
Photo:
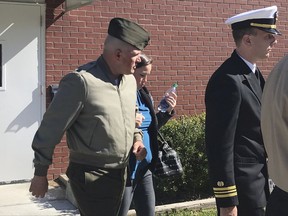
(234, 144)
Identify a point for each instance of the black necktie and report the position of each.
(257, 74)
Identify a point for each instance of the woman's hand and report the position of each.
(171, 99)
(139, 119)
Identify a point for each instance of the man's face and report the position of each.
(129, 59)
(262, 43)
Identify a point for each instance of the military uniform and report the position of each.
(235, 149)
(98, 115)
(233, 135)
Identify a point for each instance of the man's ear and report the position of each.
(117, 53)
(247, 40)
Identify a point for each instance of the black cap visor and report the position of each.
(270, 30)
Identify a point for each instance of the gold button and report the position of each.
(220, 183)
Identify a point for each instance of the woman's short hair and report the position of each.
(145, 60)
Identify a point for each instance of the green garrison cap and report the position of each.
(129, 32)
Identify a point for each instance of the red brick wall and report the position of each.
(189, 40)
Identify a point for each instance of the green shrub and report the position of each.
(186, 136)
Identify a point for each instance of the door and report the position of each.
(21, 81)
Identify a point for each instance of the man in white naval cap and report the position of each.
(235, 149)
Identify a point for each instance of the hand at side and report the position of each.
(139, 150)
(39, 186)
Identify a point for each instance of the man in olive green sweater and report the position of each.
(95, 106)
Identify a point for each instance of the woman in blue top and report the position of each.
(139, 187)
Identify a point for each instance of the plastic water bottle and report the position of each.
(163, 105)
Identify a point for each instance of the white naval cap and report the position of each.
(264, 19)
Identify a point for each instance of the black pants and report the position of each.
(251, 212)
(277, 203)
(98, 191)
(248, 211)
